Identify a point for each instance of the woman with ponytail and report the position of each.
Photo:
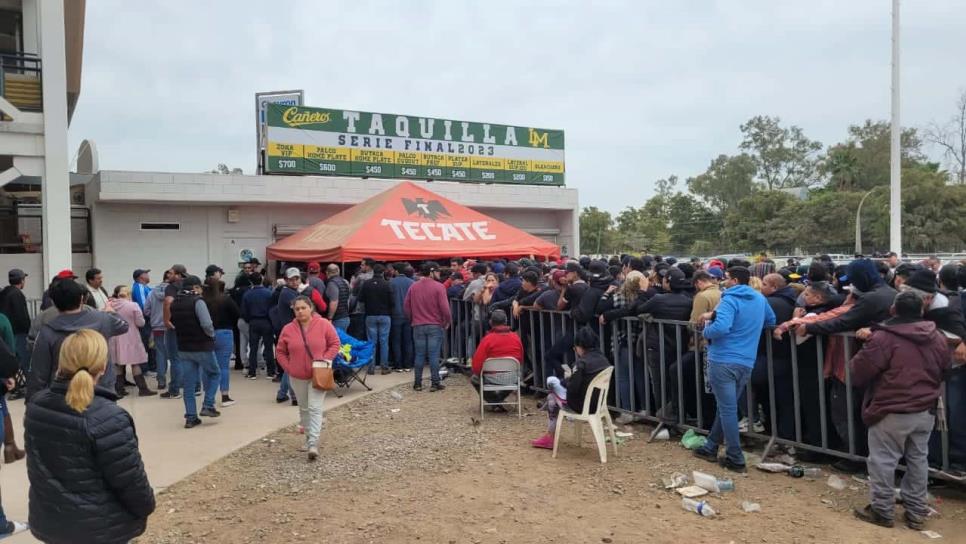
(87, 481)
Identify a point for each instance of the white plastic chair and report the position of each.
(597, 420)
(503, 374)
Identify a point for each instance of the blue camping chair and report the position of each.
(355, 369)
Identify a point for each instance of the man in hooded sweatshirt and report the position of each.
(733, 331)
(902, 362)
(782, 300)
(68, 296)
(154, 312)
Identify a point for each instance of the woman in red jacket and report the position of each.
(307, 339)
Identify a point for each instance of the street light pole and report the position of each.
(858, 224)
(895, 183)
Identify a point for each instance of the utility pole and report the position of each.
(895, 181)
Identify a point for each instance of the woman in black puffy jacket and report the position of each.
(87, 481)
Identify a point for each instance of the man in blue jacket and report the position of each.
(732, 331)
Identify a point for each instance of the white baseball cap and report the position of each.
(293, 273)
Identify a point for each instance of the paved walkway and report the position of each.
(172, 452)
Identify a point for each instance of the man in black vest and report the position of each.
(337, 292)
(196, 349)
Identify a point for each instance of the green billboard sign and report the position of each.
(318, 141)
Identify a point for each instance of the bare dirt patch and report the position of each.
(430, 472)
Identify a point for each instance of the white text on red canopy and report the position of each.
(439, 232)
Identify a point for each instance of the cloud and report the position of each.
(642, 89)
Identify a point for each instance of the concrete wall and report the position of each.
(121, 201)
(32, 264)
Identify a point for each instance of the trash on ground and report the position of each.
(663, 434)
(698, 507)
(931, 534)
(711, 483)
(691, 491)
(675, 480)
(836, 483)
(750, 507)
(811, 473)
(396, 395)
(622, 434)
(617, 440)
(692, 440)
(773, 467)
(395, 410)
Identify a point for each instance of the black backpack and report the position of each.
(9, 365)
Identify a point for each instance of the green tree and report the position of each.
(726, 181)
(756, 222)
(690, 222)
(862, 162)
(596, 230)
(784, 156)
(642, 229)
(950, 138)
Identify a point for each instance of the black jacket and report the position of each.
(870, 307)
(586, 368)
(782, 302)
(586, 309)
(674, 306)
(376, 295)
(87, 481)
(13, 304)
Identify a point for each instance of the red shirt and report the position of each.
(426, 304)
(323, 343)
(499, 342)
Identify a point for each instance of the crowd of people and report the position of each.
(188, 333)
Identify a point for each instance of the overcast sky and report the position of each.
(642, 89)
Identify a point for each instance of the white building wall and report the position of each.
(33, 265)
(121, 201)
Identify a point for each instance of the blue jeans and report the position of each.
(260, 331)
(728, 381)
(284, 386)
(224, 346)
(427, 340)
(195, 363)
(401, 342)
(171, 350)
(377, 327)
(22, 351)
(341, 323)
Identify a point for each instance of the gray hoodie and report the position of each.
(46, 353)
(154, 307)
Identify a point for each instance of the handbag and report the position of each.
(322, 377)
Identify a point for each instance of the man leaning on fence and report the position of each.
(902, 362)
(733, 331)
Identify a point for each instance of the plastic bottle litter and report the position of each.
(836, 483)
(712, 484)
(750, 507)
(663, 434)
(675, 480)
(811, 473)
(396, 395)
(698, 507)
(773, 467)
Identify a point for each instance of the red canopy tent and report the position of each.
(409, 222)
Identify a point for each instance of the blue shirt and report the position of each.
(400, 286)
(739, 319)
(256, 303)
(140, 293)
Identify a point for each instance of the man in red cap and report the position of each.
(314, 280)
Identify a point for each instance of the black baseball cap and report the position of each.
(212, 268)
(139, 271)
(16, 275)
(190, 282)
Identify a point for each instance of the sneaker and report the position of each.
(226, 401)
(732, 466)
(386, 371)
(197, 392)
(913, 521)
(313, 453)
(304, 447)
(161, 386)
(400, 370)
(295, 401)
(436, 387)
(743, 425)
(407, 370)
(12, 528)
(170, 395)
(544, 442)
(869, 515)
(280, 400)
(625, 419)
(193, 422)
(758, 427)
(417, 387)
(709, 456)
(209, 412)
(252, 377)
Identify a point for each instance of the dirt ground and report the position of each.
(431, 472)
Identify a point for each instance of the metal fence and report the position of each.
(800, 391)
